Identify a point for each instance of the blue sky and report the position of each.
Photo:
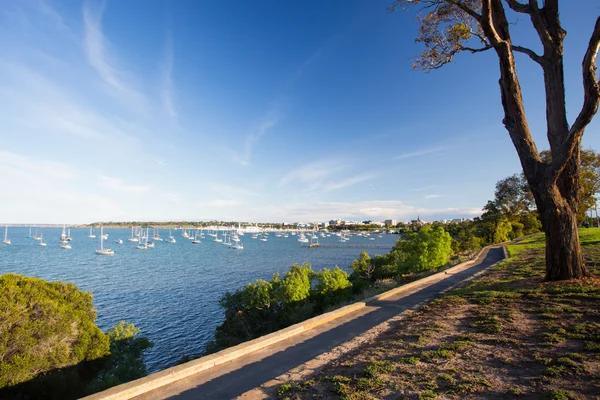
(255, 111)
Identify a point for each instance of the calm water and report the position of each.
(170, 292)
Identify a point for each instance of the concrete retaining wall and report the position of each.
(169, 375)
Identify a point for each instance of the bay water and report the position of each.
(170, 292)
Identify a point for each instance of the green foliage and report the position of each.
(429, 248)
(125, 362)
(50, 346)
(264, 307)
(363, 266)
(44, 326)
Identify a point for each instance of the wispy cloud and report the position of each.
(422, 152)
(376, 209)
(97, 53)
(219, 203)
(324, 175)
(423, 188)
(119, 186)
(350, 181)
(432, 196)
(315, 173)
(24, 166)
(270, 120)
(167, 77)
(234, 191)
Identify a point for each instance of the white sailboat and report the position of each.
(63, 235)
(142, 246)
(65, 246)
(42, 241)
(133, 238)
(157, 236)
(6, 239)
(171, 238)
(302, 238)
(102, 251)
(216, 239)
(149, 245)
(119, 241)
(91, 235)
(36, 237)
(69, 238)
(196, 239)
(30, 236)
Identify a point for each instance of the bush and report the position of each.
(45, 326)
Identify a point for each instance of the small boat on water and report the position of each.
(150, 245)
(171, 238)
(91, 235)
(119, 241)
(196, 239)
(63, 235)
(133, 238)
(238, 246)
(36, 237)
(30, 236)
(65, 246)
(41, 239)
(69, 238)
(6, 239)
(102, 251)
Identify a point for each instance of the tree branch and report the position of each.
(518, 7)
(466, 9)
(473, 50)
(591, 99)
(532, 54)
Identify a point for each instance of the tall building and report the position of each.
(391, 222)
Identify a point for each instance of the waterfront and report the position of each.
(170, 292)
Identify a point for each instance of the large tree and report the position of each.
(449, 27)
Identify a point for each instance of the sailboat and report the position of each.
(42, 241)
(119, 241)
(196, 239)
(69, 238)
(6, 239)
(30, 236)
(157, 236)
(133, 238)
(149, 245)
(36, 237)
(216, 239)
(91, 235)
(171, 238)
(102, 251)
(302, 238)
(142, 246)
(65, 246)
(63, 235)
(185, 234)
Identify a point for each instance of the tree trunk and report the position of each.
(564, 259)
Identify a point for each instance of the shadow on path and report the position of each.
(252, 375)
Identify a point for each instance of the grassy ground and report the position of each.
(505, 335)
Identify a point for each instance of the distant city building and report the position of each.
(390, 222)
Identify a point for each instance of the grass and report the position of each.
(506, 332)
